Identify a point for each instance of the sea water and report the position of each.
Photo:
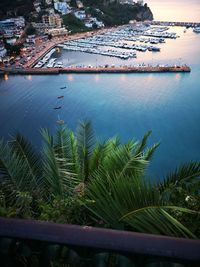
(175, 10)
(127, 105)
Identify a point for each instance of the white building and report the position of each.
(58, 32)
(80, 14)
(3, 51)
(37, 6)
(19, 22)
(52, 20)
(48, 2)
(79, 4)
(31, 39)
(140, 2)
(62, 7)
(91, 21)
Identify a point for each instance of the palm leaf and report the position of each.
(155, 219)
(13, 172)
(85, 144)
(24, 150)
(142, 144)
(187, 173)
(57, 177)
(126, 202)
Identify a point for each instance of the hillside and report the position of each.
(113, 13)
(15, 7)
(110, 12)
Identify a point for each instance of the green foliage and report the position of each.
(68, 210)
(132, 203)
(13, 49)
(74, 24)
(115, 13)
(15, 7)
(30, 30)
(77, 179)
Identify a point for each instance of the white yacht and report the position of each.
(196, 29)
(59, 64)
(51, 63)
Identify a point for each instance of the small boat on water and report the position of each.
(61, 122)
(64, 87)
(59, 97)
(57, 107)
(196, 29)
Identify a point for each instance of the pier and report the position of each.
(93, 70)
(175, 23)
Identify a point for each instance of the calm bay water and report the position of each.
(175, 10)
(123, 104)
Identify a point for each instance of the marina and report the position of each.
(123, 42)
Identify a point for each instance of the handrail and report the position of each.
(111, 240)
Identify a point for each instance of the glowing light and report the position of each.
(6, 77)
(97, 78)
(150, 77)
(123, 77)
(177, 76)
(30, 77)
(70, 77)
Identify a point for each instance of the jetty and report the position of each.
(105, 69)
(175, 23)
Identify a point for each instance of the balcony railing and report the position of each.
(36, 243)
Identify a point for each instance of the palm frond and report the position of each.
(56, 175)
(120, 160)
(97, 157)
(187, 173)
(74, 155)
(156, 220)
(24, 150)
(85, 143)
(13, 171)
(142, 144)
(62, 142)
(133, 203)
(148, 154)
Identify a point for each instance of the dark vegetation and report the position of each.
(77, 179)
(110, 13)
(73, 24)
(14, 8)
(12, 50)
(116, 14)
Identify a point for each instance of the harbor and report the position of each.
(127, 42)
(131, 102)
(123, 42)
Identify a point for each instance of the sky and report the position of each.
(175, 10)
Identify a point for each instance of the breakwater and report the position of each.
(175, 23)
(79, 70)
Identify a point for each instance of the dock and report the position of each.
(93, 70)
(175, 23)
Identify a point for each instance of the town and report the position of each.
(22, 37)
(25, 39)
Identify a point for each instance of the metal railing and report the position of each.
(88, 246)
